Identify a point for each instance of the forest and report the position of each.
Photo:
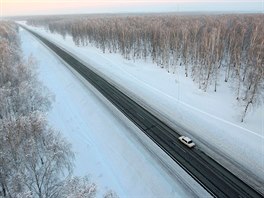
(210, 48)
(35, 160)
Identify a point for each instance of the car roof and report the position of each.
(187, 139)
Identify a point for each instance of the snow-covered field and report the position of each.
(211, 119)
(108, 147)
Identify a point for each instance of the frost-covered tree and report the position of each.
(78, 188)
(35, 160)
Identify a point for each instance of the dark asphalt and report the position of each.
(217, 180)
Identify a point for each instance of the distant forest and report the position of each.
(209, 48)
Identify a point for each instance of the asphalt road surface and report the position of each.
(217, 180)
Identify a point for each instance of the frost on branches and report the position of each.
(35, 160)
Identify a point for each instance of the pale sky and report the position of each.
(46, 7)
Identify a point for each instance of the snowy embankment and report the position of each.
(211, 119)
(114, 153)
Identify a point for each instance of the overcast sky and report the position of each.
(44, 7)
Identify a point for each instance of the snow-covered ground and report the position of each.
(211, 119)
(108, 147)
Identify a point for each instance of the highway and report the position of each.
(217, 180)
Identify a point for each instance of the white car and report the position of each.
(187, 141)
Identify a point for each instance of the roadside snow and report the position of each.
(114, 153)
(211, 119)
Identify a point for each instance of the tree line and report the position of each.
(209, 48)
(35, 160)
